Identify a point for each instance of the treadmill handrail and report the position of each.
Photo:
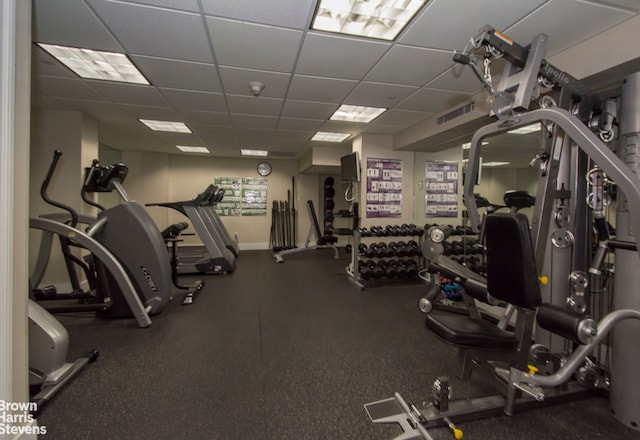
(102, 253)
(587, 141)
(198, 200)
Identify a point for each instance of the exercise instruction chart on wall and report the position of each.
(441, 195)
(384, 188)
(244, 196)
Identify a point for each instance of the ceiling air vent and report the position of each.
(467, 108)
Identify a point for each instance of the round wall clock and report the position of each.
(264, 168)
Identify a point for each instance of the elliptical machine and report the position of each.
(49, 370)
(130, 233)
(98, 298)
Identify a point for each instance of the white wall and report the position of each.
(76, 135)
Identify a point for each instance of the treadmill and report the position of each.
(217, 259)
(208, 208)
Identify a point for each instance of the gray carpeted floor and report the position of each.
(275, 352)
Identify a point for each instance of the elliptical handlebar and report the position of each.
(87, 182)
(45, 185)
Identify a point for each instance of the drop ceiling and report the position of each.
(200, 55)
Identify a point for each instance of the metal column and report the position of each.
(624, 400)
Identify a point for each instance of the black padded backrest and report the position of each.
(511, 267)
(314, 222)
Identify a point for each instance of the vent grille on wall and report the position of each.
(456, 113)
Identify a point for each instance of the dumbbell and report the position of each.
(401, 250)
(366, 269)
(329, 192)
(383, 251)
(364, 232)
(447, 248)
(401, 269)
(392, 268)
(456, 248)
(412, 267)
(412, 249)
(381, 268)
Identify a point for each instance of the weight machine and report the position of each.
(583, 150)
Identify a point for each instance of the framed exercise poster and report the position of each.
(244, 196)
(441, 194)
(384, 188)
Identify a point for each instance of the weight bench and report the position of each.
(314, 229)
(512, 279)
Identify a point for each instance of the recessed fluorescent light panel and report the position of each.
(188, 149)
(382, 19)
(177, 127)
(495, 164)
(95, 64)
(357, 113)
(526, 129)
(327, 136)
(260, 153)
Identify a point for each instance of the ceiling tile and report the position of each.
(41, 101)
(209, 130)
(309, 110)
(299, 124)
(66, 22)
(254, 105)
(63, 88)
(175, 74)
(442, 25)
(188, 100)
(256, 137)
(586, 20)
(220, 142)
(460, 78)
(129, 93)
(403, 118)
(631, 5)
(204, 117)
(286, 13)
(236, 81)
(183, 5)
(313, 88)
(149, 112)
(419, 66)
(339, 57)
(145, 30)
(430, 100)
(378, 94)
(101, 110)
(254, 121)
(241, 44)
(294, 135)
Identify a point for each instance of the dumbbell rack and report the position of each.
(353, 269)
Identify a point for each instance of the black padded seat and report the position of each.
(471, 332)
